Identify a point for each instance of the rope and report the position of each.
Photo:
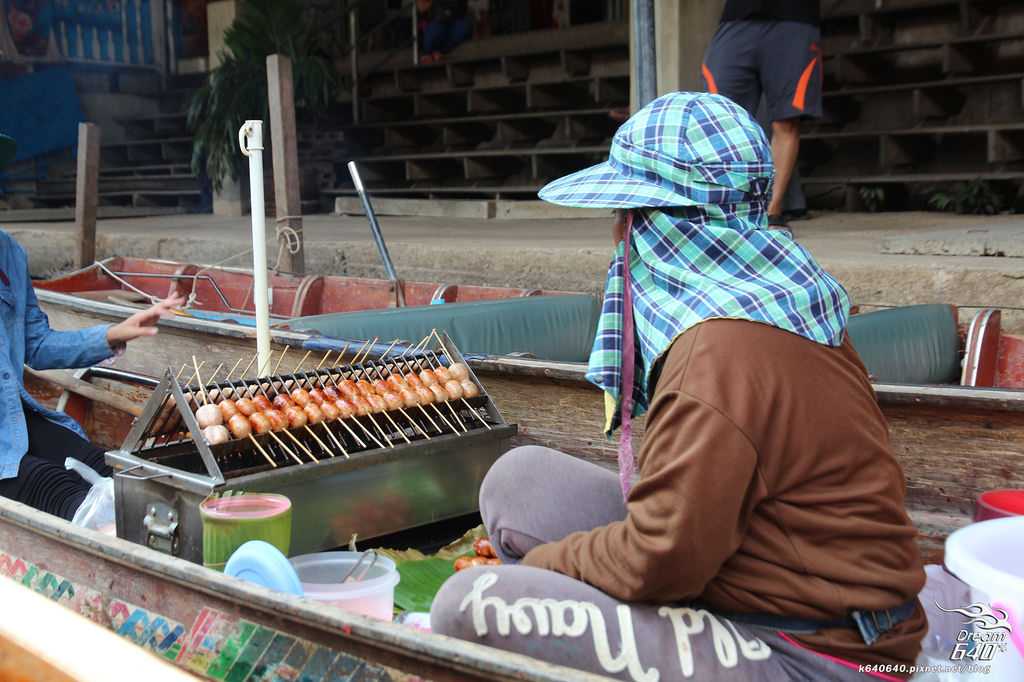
(288, 237)
(104, 268)
(195, 277)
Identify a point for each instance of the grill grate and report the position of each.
(168, 432)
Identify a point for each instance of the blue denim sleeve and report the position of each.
(46, 348)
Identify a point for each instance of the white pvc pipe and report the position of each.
(250, 139)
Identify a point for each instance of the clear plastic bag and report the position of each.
(940, 588)
(97, 511)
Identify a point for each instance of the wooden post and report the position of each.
(287, 196)
(87, 193)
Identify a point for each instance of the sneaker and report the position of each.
(778, 222)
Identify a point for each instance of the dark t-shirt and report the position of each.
(804, 11)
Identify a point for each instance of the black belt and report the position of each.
(871, 624)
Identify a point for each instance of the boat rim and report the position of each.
(368, 631)
(1005, 399)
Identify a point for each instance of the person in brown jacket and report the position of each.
(764, 535)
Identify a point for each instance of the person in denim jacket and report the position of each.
(34, 441)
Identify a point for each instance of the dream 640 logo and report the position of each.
(985, 633)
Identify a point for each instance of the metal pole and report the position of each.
(415, 35)
(250, 139)
(371, 215)
(645, 70)
(353, 39)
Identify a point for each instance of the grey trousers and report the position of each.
(534, 495)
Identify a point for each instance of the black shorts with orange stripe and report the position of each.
(778, 59)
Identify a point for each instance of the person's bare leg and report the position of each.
(785, 147)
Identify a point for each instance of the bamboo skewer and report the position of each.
(429, 418)
(318, 441)
(232, 370)
(361, 357)
(302, 446)
(444, 418)
(280, 360)
(401, 431)
(444, 348)
(302, 361)
(379, 371)
(387, 350)
(359, 352)
(353, 433)
(262, 451)
(326, 355)
(285, 447)
(464, 401)
(335, 440)
(380, 431)
(415, 426)
(365, 430)
(202, 389)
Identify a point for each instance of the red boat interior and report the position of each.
(230, 291)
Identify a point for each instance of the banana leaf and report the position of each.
(423, 575)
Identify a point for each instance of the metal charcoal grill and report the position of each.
(369, 475)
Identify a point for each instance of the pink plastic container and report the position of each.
(998, 504)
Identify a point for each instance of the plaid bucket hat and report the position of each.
(8, 148)
(696, 169)
(682, 149)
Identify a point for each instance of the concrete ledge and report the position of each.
(891, 281)
(423, 208)
(478, 209)
(45, 215)
(542, 210)
(971, 242)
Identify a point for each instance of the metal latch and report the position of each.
(161, 524)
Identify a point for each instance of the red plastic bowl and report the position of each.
(997, 504)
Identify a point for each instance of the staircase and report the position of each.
(148, 172)
(919, 94)
(498, 118)
(144, 169)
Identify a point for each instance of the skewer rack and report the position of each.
(370, 475)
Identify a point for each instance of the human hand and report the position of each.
(142, 323)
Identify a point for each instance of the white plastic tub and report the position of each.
(989, 557)
(321, 575)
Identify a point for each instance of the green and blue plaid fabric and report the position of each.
(698, 169)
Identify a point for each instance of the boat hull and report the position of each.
(221, 628)
(952, 442)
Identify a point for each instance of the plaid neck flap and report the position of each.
(690, 264)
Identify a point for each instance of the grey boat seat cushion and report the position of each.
(918, 344)
(555, 328)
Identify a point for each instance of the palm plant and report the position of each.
(237, 89)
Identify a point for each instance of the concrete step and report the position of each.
(156, 126)
(46, 215)
(183, 198)
(149, 151)
(124, 184)
(480, 209)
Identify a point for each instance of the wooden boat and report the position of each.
(27, 651)
(226, 629)
(954, 439)
(953, 442)
(208, 624)
(220, 628)
(224, 291)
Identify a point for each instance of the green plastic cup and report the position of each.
(230, 522)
